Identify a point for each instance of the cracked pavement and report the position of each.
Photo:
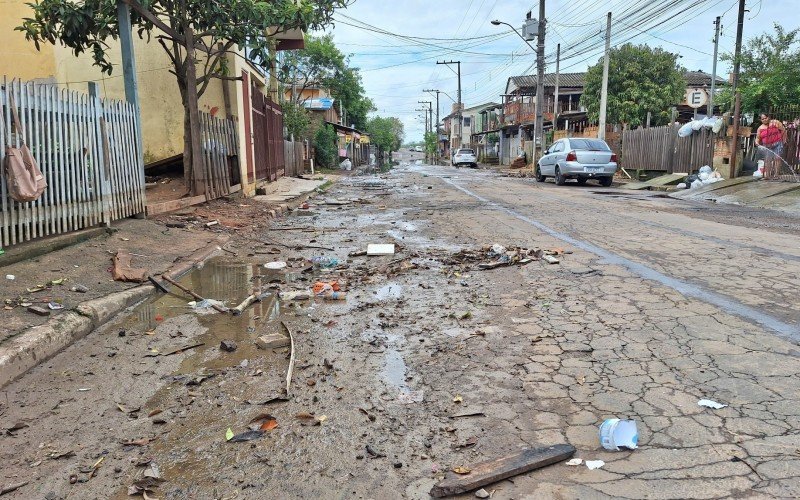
(544, 355)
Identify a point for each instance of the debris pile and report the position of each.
(496, 255)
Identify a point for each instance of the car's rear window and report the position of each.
(466, 152)
(589, 144)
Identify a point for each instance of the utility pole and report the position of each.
(129, 71)
(428, 111)
(555, 99)
(710, 111)
(538, 141)
(458, 101)
(734, 146)
(436, 127)
(601, 125)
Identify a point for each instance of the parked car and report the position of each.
(577, 158)
(418, 149)
(464, 156)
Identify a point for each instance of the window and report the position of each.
(589, 144)
(467, 121)
(466, 152)
(558, 147)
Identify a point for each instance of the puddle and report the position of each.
(394, 370)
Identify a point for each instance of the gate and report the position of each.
(268, 156)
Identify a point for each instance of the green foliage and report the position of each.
(386, 133)
(493, 138)
(640, 79)
(89, 24)
(296, 118)
(430, 143)
(769, 74)
(322, 63)
(325, 148)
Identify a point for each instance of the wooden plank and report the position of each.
(498, 469)
(172, 205)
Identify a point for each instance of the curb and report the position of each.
(39, 343)
(38, 247)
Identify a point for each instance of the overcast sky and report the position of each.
(395, 71)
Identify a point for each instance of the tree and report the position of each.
(641, 79)
(325, 147)
(769, 73)
(386, 133)
(430, 143)
(296, 118)
(322, 63)
(197, 36)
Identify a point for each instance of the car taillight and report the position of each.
(571, 156)
(613, 158)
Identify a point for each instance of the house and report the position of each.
(162, 112)
(471, 121)
(519, 108)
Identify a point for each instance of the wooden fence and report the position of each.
(660, 148)
(294, 158)
(89, 154)
(220, 154)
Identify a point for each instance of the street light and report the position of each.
(539, 126)
(498, 23)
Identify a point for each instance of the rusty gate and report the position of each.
(268, 156)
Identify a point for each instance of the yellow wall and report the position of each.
(162, 110)
(18, 57)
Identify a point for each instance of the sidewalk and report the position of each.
(59, 281)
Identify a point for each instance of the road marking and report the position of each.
(727, 304)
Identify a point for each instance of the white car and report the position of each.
(465, 156)
(580, 159)
(418, 149)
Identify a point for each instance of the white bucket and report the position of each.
(616, 434)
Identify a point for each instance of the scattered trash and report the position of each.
(206, 306)
(616, 434)
(244, 436)
(121, 269)
(711, 404)
(55, 306)
(458, 399)
(309, 419)
(212, 223)
(295, 295)
(79, 289)
(481, 493)
(575, 461)
(550, 259)
(346, 164)
(335, 296)
(228, 345)
(476, 476)
(377, 249)
(272, 341)
(228, 434)
(494, 256)
(275, 266)
(10, 277)
(325, 262)
(594, 464)
(324, 287)
(39, 310)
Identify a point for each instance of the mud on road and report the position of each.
(429, 364)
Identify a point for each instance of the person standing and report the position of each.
(771, 135)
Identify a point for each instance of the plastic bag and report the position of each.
(685, 130)
(717, 126)
(682, 185)
(697, 124)
(705, 169)
(696, 184)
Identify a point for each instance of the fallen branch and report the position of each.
(194, 295)
(185, 348)
(12, 487)
(291, 358)
(251, 299)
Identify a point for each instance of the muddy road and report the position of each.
(432, 363)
